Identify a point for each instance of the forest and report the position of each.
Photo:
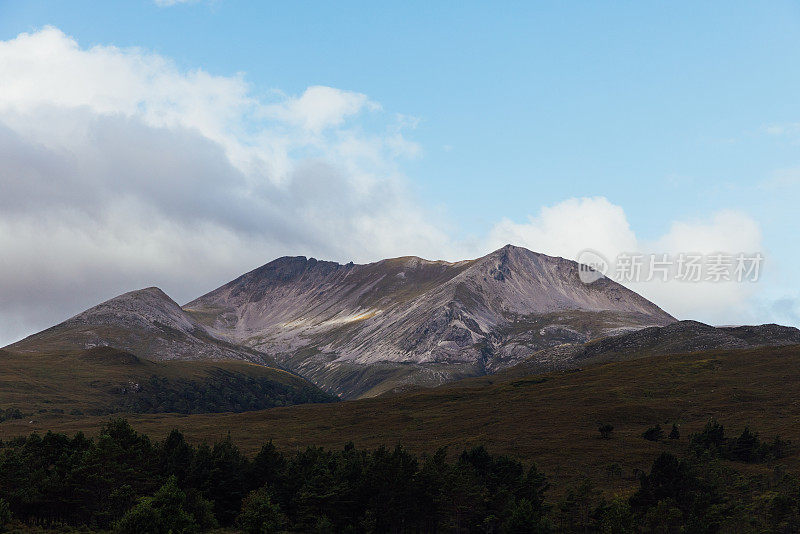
(125, 482)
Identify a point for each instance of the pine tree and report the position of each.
(5, 515)
(259, 514)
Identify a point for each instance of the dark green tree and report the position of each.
(654, 433)
(615, 517)
(675, 484)
(745, 448)
(711, 439)
(226, 481)
(260, 515)
(166, 512)
(5, 515)
(176, 455)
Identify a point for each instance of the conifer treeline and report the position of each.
(124, 481)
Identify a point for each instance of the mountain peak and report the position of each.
(147, 292)
(514, 252)
(288, 267)
(508, 247)
(515, 249)
(329, 321)
(145, 322)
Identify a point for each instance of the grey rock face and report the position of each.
(416, 320)
(146, 323)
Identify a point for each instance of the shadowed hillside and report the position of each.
(681, 336)
(105, 380)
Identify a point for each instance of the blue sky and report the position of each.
(631, 100)
(670, 111)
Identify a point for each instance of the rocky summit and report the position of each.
(363, 329)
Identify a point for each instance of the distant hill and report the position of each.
(679, 337)
(363, 330)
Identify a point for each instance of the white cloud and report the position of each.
(788, 132)
(787, 309)
(569, 227)
(789, 128)
(782, 179)
(169, 3)
(320, 108)
(726, 232)
(120, 170)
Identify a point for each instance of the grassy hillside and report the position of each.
(104, 380)
(552, 419)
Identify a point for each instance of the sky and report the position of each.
(182, 143)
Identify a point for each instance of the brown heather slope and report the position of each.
(104, 380)
(551, 419)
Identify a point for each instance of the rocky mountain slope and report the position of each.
(362, 329)
(676, 338)
(146, 323)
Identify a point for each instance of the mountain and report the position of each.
(146, 323)
(360, 330)
(140, 352)
(676, 338)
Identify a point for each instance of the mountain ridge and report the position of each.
(320, 318)
(145, 322)
(682, 337)
(363, 329)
